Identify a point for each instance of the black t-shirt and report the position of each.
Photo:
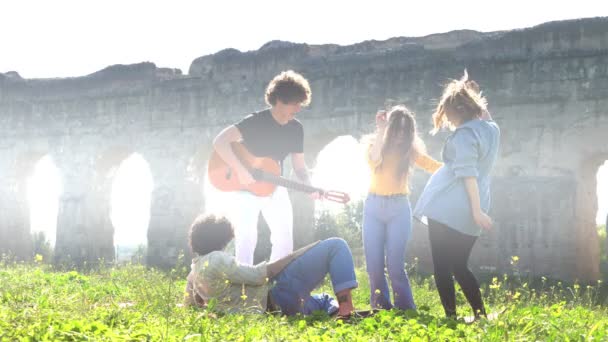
(264, 137)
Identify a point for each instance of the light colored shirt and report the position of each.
(470, 151)
(235, 287)
(383, 180)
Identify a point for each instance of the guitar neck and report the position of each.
(260, 175)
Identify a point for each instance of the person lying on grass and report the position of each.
(284, 285)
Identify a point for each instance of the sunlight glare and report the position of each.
(130, 202)
(216, 202)
(602, 194)
(341, 166)
(43, 190)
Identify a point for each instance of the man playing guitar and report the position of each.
(273, 133)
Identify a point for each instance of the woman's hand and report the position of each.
(381, 120)
(480, 218)
(483, 220)
(378, 141)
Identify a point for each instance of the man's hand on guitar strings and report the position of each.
(245, 177)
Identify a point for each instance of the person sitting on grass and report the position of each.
(283, 285)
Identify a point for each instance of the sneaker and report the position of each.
(358, 314)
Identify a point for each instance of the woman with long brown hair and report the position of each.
(387, 216)
(456, 199)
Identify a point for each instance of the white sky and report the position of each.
(63, 38)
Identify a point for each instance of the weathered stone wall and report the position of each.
(547, 87)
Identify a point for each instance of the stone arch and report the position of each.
(176, 200)
(602, 213)
(130, 204)
(43, 191)
(85, 231)
(105, 167)
(586, 246)
(318, 135)
(15, 233)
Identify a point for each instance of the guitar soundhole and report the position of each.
(257, 174)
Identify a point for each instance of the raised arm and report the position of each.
(375, 152)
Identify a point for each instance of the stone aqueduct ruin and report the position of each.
(547, 87)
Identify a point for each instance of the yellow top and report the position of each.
(383, 180)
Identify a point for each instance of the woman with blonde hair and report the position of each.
(456, 199)
(387, 217)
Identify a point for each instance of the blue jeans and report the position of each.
(292, 287)
(387, 226)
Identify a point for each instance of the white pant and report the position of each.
(278, 214)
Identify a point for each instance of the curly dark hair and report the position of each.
(210, 233)
(288, 87)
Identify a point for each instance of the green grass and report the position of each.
(134, 303)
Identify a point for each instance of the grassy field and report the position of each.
(134, 303)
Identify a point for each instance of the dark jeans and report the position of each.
(451, 250)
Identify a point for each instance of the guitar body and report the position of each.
(265, 171)
(224, 178)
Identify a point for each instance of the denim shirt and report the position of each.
(470, 151)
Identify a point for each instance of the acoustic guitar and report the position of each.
(265, 171)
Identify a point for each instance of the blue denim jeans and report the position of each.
(292, 287)
(387, 227)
